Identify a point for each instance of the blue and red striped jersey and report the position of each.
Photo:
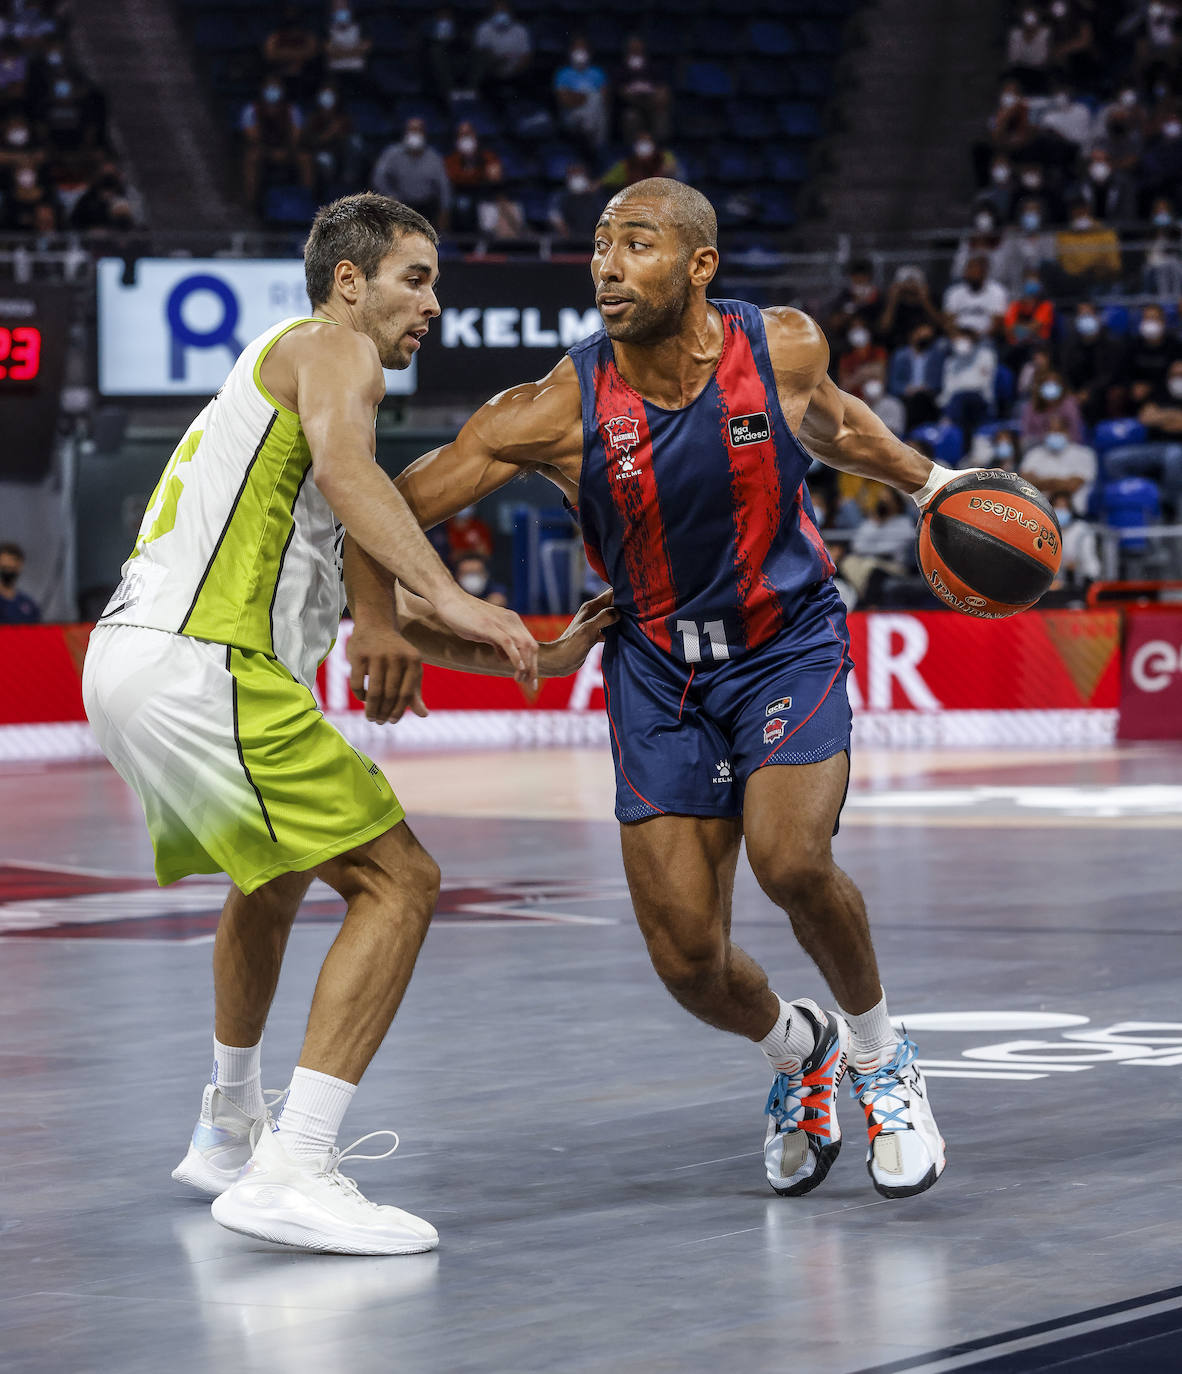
(699, 518)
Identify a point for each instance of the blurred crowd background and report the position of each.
(980, 203)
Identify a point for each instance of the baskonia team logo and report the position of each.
(623, 435)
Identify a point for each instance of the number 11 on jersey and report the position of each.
(691, 639)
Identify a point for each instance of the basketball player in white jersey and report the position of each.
(198, 686)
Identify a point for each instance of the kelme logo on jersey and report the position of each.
(749, 429)
(623, 435)
(784, 704)
(774, 730)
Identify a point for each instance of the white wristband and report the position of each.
(937, 478)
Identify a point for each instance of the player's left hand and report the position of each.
(565, 654)
(386, 672)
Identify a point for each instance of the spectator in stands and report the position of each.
(644, 101)
(581, 90)
(1120, 131)
(1035, 185)
(414, 172)
(860, 357)
(882, 547)
(501, 51)
(1002, 449)
(15, 72)
(1080, 564)
(19, 146)
(291, 53)
(1107, 194)
(1159, 43)
(346, 48)
(15, 607)
(475, 173)
(467, 533)
(1026, 248)
(1148, 355)
(331, 143)
(1010, 128)
(1160, 169)
(73, 112)
(1029, 320)
(645, 160)
(475, 577)
(917, 375)
(970, 381)
(998, 197)
(1162, 271)
(1073, 44)
(441, 39)
(502, 218)
(271, 132)
(1068, 118)
(1091, 357)
(908, 305)
(22, 202)
(105, 203)
(1161, 458)
(976, 303)
(1088, 249)
(859, 296)
(1049, 401)
(1060, 465)
(575, 210)
(889, 409)
(1028, 50)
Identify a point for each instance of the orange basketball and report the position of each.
(989, 544)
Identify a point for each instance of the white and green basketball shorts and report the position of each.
(235, 766)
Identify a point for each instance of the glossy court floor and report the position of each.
(591, 1155)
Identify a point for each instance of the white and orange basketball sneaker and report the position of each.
(221, 1142)
(313, 1206)
(803, 1135)
(906, 1153)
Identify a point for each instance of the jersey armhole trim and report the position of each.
(257, 370)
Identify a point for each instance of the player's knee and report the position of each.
(795, 878)
(687, 969)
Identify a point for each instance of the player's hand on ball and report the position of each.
(565, 654)
(386, 672)
(471, 618)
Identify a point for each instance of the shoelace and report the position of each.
(332, 1171)
(786, 1102)
(885, 1082)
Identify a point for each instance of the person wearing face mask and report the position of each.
(643, 99)
(997, 200)
(1068, 118)
(917, 375)
(1074, 52)
(1160, 170)
(1049, 401)
(1091, 357)
(1160, 459)
(889, 409)
(346, 48)
(16, 70)
(976, 303)
(441, 40)
(1029, 321)
(1061, 465)
(1107, 194)
(1161, 273)
(970, 380)
(861, 357)
(908, 305)
(331, 143)
(475, 577)
(1010, 130)
(1028, 50)
(291, 52)
(474, 172)
(1148, 355)
(574, 211)
(271, 128)
(859, 295)
(1000, 450)
(502, 48)
(1080, 563)
(882, 547)
(645, 160)
(16, 608)
(1088, 249)
(581, 92)
(413, 172)
(1159, 45)
(1026, 248)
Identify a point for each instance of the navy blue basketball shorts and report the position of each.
(685, 740)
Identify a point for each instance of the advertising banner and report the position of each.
(178, 327)
(1151, 678)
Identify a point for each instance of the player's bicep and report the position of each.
(447, 479)
(338, 388)
(825, 416)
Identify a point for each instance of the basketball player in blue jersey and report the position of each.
(681, 433)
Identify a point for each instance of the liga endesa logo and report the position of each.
(1008, 514)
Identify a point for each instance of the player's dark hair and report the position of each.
(690, 213)
(14, 549)
(360, 229)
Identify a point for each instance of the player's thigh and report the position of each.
(276, 903)
(681, 872)
(790, 815)
(392, 867)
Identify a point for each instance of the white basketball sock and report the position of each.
(873, 1039)
(237, 1075)
(316, 1106)
(789, 1041)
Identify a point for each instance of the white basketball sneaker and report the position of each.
(803, 1136)
(313, 1206)
(221, 1142)
(906, 1154)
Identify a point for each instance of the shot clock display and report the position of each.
(34, 324)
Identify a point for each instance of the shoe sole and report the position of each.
(196, 1172)
(825, 1157)
(298, 1237)
(914, 1189)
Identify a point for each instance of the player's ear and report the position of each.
(348, 280)
(703, 264)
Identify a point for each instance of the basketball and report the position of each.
(989, 544)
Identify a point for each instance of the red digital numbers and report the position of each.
(20, 353)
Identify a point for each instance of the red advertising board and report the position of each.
(1151, 675)
(926, 662)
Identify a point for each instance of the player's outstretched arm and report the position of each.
(839, 429)
(339, 384)
(386, 670)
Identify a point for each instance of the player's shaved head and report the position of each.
(679, 207)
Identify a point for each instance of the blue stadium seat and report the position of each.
(1128, 503)
(750, 120)
(372, 119)
(288, 205)
(771, 38)
(799, 118)
(946, 440)
(1005, 388)
(992, 427)
(776, 210)
(531, 123)
(1116, 318)
(1113, 433)
(787, 164)
(556, 158)
(734, 164)
(707, 79)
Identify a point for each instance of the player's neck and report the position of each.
(673, 372)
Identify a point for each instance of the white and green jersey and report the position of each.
(237, 545)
